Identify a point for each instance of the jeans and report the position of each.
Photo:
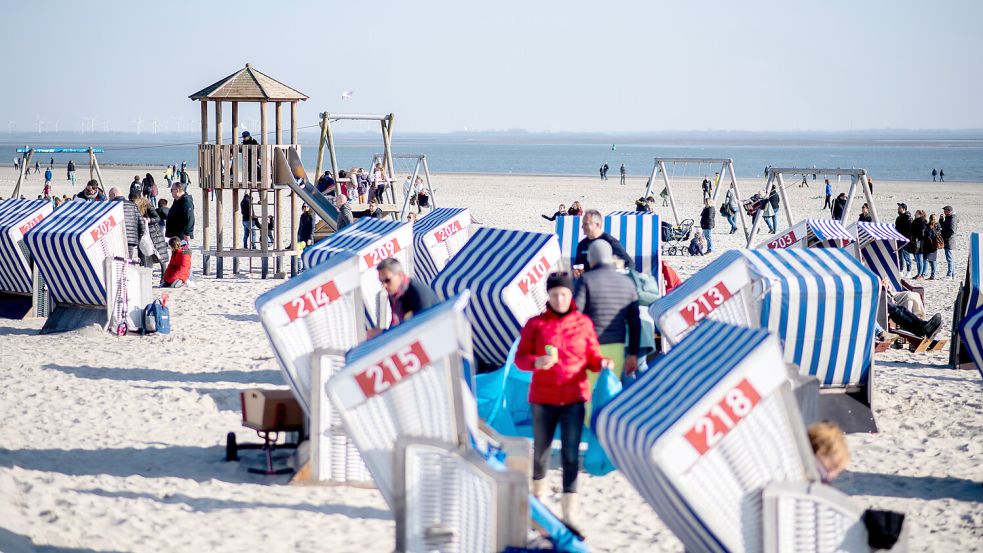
(732, 219)
(545, 419)
(951, 266)
(919, 263)
(708, 234)
(770, 221)
(248, 235)
(71, 177)
(905, 262)
(929, 264)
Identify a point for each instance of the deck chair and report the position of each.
(22, 290)
(688, 435)
(437, 238)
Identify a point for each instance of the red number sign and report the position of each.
(311, 301)
(388, 249)
(538, 271)
(406, 362)
(698, 309)
(783, 241)
(447, 231)
(30, 224)
(103, 228)
(736, 404)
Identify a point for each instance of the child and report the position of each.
(179, 268)
(829, 447)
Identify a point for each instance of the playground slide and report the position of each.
(301, 185)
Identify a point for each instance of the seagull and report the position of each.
(347, 95)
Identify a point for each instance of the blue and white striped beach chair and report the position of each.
(812, 233)
(506, 271)
(638, 232)
(968, 317)
(16, 270)
(877, 248)
(437, 238)
(372, 240)
(705, 430)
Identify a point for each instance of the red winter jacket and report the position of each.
(670, 277)
(573, 335)
(179, 267)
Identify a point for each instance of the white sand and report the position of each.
(116, 444)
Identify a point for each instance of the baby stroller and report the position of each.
(675, 238)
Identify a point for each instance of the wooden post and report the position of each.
(331, 152)
(869, 195)
(788, 208)
(219, 183)
(278, 110)
(264, 179)
(205, 200)
(294, 221)
(293, 122)
(204, 125)
(277, 197)
(20, 176)
(94, 165)
(760, 212)
(737, 196)
(234, 176)
(672, 199)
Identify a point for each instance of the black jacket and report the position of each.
(708, 217)
(928, 244)
(554, 215)
(949, 227)
(616, 248)
(181, 218)
(918, 228)
(305, 229)
(610, 299)
(839, 204)
(903, 224)
(136, 189)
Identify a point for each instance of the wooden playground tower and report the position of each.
(244, 168)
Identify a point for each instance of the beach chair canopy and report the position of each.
(372, 240)
(704, 430)
(821, 303)
(321, 309)
(413, 380)
(71, 245)
(16, 218)
(810, 516)
(971, 326)
(638, 232)
(877, 248)
(506, 271)
(437, 238)
(812, 233)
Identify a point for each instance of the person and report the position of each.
(408, 191)
(828, 204)
(169, 175)
(593, 226)
(575, 208)
(904, 298)
(930, 247)
(325, 184)
(248, 229)
(183, 178)
(708, 219)
(345, 216)
(411, 217)
(839, 205)
(91, 192)
(178, 269)
(902, 224)
(865, 214)
(941, 175)
(162, 210)
(731, 205)
(558, 213)
(601, 171)
(380, 181)
(934, 173)
(71, 171)
(181, 216)
(948, 224)
(373, 211)
(698, 245)
(770, 214)
(136, 187)
(46, 192)
(150, 223)
(913, 324)
(870, 184)
(669, 276)
(805, 182)
(558, 347)
(622, 171)
(664, 194)
(149, 188)
(113, 194)
(305, 227)
(37, 166)
(610, 300)
(407, 296)
(422, 198)
(131, 219)
(829, 447)
(707, 187)
(919, 225)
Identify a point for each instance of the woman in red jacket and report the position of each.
(559, 347)
(179, 267)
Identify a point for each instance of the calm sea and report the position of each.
(962, 159)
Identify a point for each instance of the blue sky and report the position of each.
(610, 66)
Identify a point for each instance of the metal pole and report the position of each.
(672, 199)
(788, 208)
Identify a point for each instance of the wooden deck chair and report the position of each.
(688, 435)
(437, 238)
(19, 296)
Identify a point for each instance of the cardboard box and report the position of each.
(271, 410)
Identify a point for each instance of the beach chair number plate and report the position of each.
(103, 228)
(700, 308)
(384, 251)
(31, 224)
(722, 417)
(450, 230)
(538, 271)
(311, 301)
(378, 378)
(783, 241)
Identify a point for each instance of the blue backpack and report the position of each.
(156, 318)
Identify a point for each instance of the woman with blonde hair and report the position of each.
(930, 246)
(829, 446)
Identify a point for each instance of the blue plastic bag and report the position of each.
(596, 461)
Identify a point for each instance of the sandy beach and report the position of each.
(117, 443)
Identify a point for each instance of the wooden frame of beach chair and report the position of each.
(413, 380)
(372, 240)
(448, 498)
(812, 233)
(437, 238)
(688, 435)
(22, 290)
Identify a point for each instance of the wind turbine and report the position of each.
(139, 123)
(39, 122)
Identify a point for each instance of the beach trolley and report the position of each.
(22, 292)
(311, 320)
(413, 380)
(812, 233)
(638, 232)
(967, 345)
(506, 271)
(372, 240)
(437, 238)
(70, 248)
(705, 430)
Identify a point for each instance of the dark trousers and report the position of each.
(545, 418)
(905, 319)
(829, 203)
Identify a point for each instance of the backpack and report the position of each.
(156, 318)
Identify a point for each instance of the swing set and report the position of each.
(726, 168)
(421, 166)
(94, 172)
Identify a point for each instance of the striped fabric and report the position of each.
(16, 218)
(872, 232)
(372, 240)
(830, 232)
(567, 230)
(812, 233)
(971, 327)
(437, 238)
(637, 231)
(71, 245)
(821, 302)
(506, 271)
(709, 493)
(877, 247)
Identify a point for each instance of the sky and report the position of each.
(445, 66)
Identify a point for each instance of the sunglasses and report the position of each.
(385, 280)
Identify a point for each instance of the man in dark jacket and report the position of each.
(903, 225)
(91, 192)
(708, 219)
(136, 186)
(593, 226)
(610, 299)
(248, 228)
(407, 296)
(181, 217)
(345, 216)
(839, 206)
(949, 225)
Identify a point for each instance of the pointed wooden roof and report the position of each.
(249, 85)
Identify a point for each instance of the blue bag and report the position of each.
(156, 318)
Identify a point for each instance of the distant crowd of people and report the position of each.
(926, 234)
(359, 186)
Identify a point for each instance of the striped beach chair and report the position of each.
(17, 278)
(70, 247)
(688, 435)
(967, 347)
(569, 234)
(372, 240)
(812, 233)
(437, 238)
(506, 271)
(638, 232)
